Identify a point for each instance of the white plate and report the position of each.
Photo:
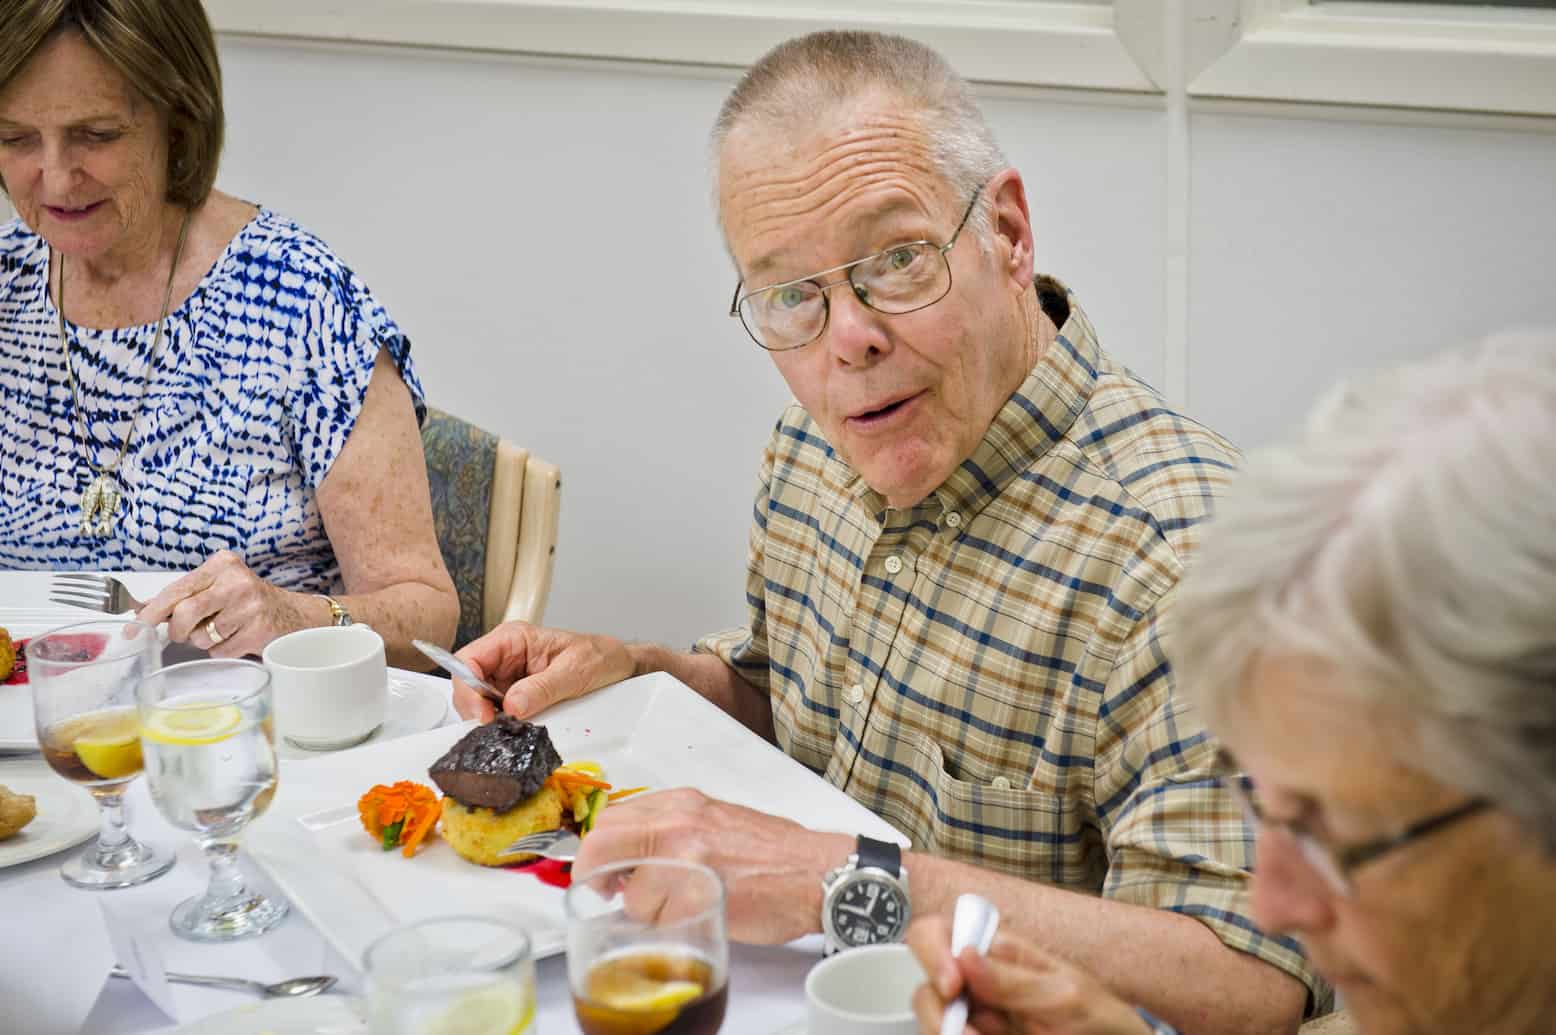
(653, 731)
(16, 728)
(417, 702)
(320, 1015)
(25, 612)
(67, 814)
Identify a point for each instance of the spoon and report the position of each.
(293, 988)
(972, 927)
(459, 670)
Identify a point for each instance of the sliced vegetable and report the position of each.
(597, 800)
(564, 779)
(626, 793)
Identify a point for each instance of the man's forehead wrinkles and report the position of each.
(778, 182)
(775, 225)
(826, 195)
(828, 151)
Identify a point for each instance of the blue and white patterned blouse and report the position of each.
(257, 383)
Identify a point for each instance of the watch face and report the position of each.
(868, 912)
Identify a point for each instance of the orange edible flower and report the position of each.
(407, 810)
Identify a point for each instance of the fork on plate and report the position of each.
(553, 844)
(92, 591)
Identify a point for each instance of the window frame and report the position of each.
(1022, 42)
(1470, 58)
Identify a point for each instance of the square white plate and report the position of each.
(16, 727)
(652, 730)
(26, 611)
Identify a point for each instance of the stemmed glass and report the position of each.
(452, 974)
(83, 680)
(209, 740)
(647, 949)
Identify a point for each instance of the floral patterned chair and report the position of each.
(496, 510)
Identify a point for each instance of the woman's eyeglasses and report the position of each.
(1335, 863)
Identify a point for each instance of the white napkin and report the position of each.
(37, 996)
(140, 956)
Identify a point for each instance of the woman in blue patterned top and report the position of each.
(188, 382)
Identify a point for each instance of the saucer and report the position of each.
(417, 702)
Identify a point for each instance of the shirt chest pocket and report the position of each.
(996, 821)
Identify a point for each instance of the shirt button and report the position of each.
(893, 564)
(1001, 783)
(854, 694)
(954, 519)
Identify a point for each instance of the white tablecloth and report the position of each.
(54, 950)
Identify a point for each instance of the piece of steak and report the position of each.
(498, 765)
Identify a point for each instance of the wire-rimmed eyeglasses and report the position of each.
(1335, 863)
(901, 279)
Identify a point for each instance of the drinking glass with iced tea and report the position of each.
(647, 952)
(83, 680)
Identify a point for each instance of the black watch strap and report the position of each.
(882, 855)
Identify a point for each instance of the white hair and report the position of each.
(793, 84)
(1408, 539)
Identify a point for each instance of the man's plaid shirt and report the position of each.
(986, 671)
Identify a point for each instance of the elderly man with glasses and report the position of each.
(967, 534)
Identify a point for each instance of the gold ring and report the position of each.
(210, 630)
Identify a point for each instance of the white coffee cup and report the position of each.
(330, 685)
(863, 991)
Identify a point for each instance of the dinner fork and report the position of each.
(553, 844)
(95, 592)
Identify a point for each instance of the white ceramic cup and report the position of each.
(864, 991)
(330, 685)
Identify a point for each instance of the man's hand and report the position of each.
(771, 867)
(226, 609)
(536, 668)
(1017, 990)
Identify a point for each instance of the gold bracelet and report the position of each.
(338, 614)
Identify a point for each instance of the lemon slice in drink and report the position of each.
(204, 724)
(634, 993)
(497, 1009)
(113, 750)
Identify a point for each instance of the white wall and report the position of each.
(1323, 247)
(542, 229)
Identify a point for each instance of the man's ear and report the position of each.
(1012, 225)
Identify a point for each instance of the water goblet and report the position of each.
(461, 974)
(209, 741)
(83, 680)
(647, 949)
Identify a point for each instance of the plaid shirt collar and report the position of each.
(1032, 420)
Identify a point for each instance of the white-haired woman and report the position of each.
(1370, 627)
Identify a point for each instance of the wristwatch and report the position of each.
(865, 901)
(338, 614)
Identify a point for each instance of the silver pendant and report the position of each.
(99, 506)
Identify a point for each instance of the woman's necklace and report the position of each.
(100, 501)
